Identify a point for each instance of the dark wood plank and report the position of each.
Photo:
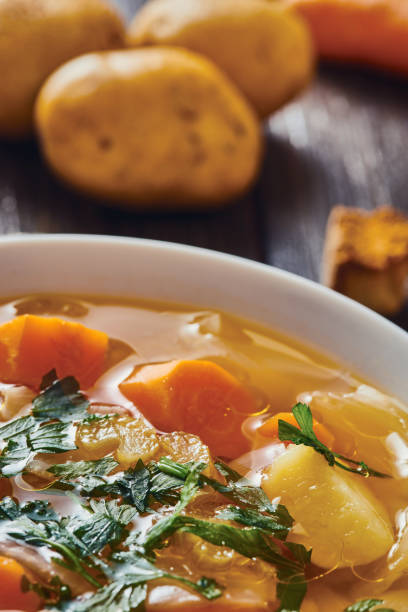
(344, 141)
(32, 200)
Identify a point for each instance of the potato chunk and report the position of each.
(343, 521)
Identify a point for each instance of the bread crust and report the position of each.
(366, 256)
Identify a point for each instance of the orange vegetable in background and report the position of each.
(198, 397)
(11, 594)
(270, 428)
(365, 31)
(31, 346)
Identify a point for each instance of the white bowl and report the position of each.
(342, 329)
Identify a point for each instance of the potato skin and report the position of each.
(37, 36)
(263, 47)
(150, 127)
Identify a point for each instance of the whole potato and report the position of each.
(37, 36)
(151, 126)
(263, 47)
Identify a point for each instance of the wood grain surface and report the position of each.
(344, 141)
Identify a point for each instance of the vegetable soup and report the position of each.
(166, 458)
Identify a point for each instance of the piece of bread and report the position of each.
(366, 256)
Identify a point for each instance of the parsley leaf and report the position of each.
(136, 565)
(74, 469)
(242, 491)
(55, 591)
(366, 604)
(123, 596)
(105, 526)
(168, 525)
(163, 485)
(305, 435)
(52, 438)
(133, 486)
(15, 456)
(17, 427)
(253, 541)
(61, 400)
(238, 489)
(19, 450)
(77, 539)
(127, 589)
(249, 542)
(37, 511)
(252, 518)
(55, 536)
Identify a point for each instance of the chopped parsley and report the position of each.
(61, 400)
(74, 469)
(49, 429)
(21, 449)
(100, 545)
(365, 605)
(127, 588)
(305, 435)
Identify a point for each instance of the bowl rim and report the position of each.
(392, 339)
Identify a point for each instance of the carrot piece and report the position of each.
(373, 32)
(11, 594)
(195, 396)
(31, 346)
(270, 428)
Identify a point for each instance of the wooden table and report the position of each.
(344, 141)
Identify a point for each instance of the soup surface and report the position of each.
(179, 459)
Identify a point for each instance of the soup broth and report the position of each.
(192, 386)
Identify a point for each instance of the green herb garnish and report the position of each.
(37, 511)
(55, 536)
(75, 469)
(237, 489)
(22, 448)
(97, 544)
(251, 541)
(366, 604)
(60, 400)
(306, 436)
(128, 587)
(49, 429)
(54, 593)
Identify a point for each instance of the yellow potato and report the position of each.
(342, 521)
(37, 36)
(151, 126)
(263, 47)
